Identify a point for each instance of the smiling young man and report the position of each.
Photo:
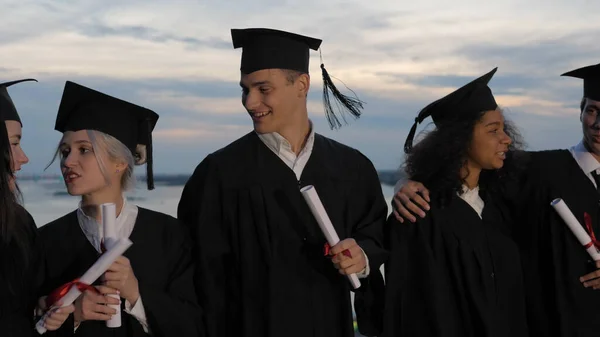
(261, 269)
(561, 281)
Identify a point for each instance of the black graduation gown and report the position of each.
(16, 307)
(160, 258)
(553, 259)
(259, 251)
(454, 274)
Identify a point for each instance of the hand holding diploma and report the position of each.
(69, 292)
(592, 279)
(55, 319)
(351, 263)
(589, 243)
(120, 276)
(92, 306)
(318, 210)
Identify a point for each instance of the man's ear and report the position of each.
(303, 85)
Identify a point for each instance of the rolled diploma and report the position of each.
(89, 277)
(575, 226)
(316, 207)
(109, 218)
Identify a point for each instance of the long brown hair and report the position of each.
(15, 237)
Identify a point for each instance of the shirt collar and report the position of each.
(278, 143)
(469, 192)
(584, 158)
(91, 226)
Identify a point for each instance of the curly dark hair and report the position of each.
(437, 160)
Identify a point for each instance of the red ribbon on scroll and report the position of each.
(61, 291)
(588, 224)
(327, 249)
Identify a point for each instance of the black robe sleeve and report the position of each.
(173, 311)
(369, 298)
(419, 297)
(200, 208)
(17, 284)
(371, 210)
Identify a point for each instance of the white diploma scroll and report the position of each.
(575, 226)
(316, 207)
(109, 219)
(89, 277)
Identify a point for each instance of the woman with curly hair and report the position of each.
(456, 272)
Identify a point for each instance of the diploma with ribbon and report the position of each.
(69, 292)
(318, 210)
(109, 219)
(589, 243)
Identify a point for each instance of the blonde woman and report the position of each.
(103, 139)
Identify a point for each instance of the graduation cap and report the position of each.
(9, 111)
(471, 98)
(82, 108)
(591, 80)
(264, 48)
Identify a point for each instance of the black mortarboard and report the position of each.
(9, 111)
(82, 108)
(591, 80)
(471, 98)
(264, 48)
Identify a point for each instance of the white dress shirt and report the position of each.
(283, 149)
(94, 232)
(585, 160)
(472, 198)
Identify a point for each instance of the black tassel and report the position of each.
(8, 84)
(352, 105)
(411, 135)
(149, 170)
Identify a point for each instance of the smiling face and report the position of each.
(274, 99)
(18, 157)
(489, 143)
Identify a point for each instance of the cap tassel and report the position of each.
(411, 135)
(8, 84)
(149, 170)
(352, 105)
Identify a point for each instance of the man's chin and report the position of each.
(261, 129)
(592, 144)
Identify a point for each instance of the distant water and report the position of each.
(47, 200)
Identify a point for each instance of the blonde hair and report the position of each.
(116, 151)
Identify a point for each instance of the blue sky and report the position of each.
(176, 58)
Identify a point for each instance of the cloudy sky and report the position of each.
(176, 58)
